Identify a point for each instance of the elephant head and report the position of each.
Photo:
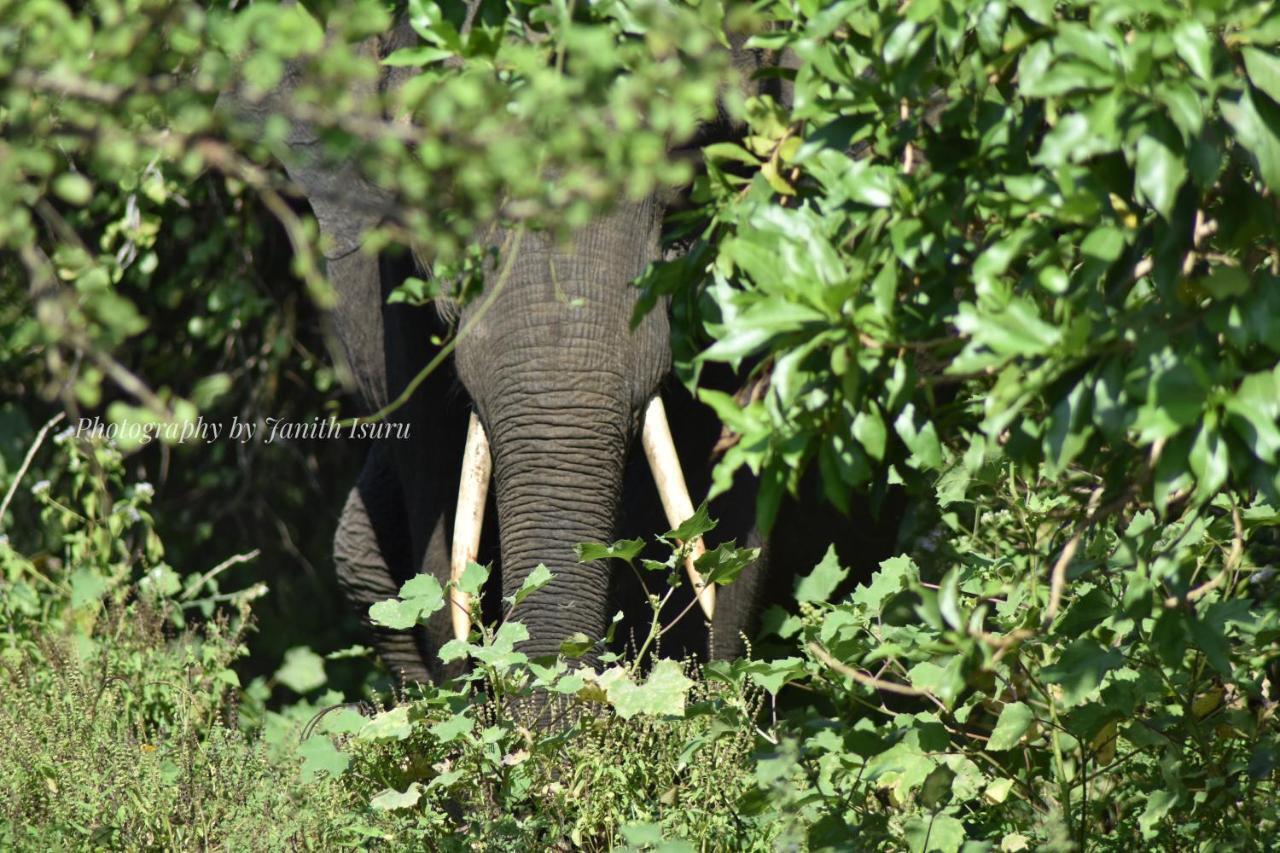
(562, 387)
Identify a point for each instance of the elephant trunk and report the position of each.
(558, 480)
(477, 465)
(560, 378)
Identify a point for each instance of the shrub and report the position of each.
(118, 728)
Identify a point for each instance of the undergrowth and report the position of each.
(952, 702)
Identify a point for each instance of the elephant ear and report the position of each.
(345, 204)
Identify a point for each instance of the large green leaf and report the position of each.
(1263, 68)
(1257, 126)
(302, 670)
(1015, 719)
(662, 694)
(821, 583)
(1080, 668)
(1161, 170)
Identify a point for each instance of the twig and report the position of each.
(866, 679)
(1203, 228)
(908, 156)
(1058, 578)
(46, 291)
(510, 248)
(1233, 561)
(233, 560)
(249, 593)
(26, 462)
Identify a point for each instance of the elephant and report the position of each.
(536, 420)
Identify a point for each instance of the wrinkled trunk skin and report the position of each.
(558, 484)
(559, 379)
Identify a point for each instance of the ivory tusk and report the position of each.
(660, 450)
(473, 490)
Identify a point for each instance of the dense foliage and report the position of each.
(1015, 261)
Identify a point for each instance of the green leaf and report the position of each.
(455, 650)
(501, 653)
(624, 549)
(1209, 460)
(1175, 397)
(1254, 411)
(1185, 108)
(894, 576)
(1209, 635)
(870, 185)
(73, 188)
(424, 586)
(722, 151)
(87, 587)
(415, 291)
(949, 600)
(394, 614)
(662, 694)
(936, 790)
(473, 578)
(356, 651)
(821, 583)
(1088, 612)
(640, 834)
(302, 670)
(389, 799)
(939, 833)
(534, 581)
(209, 389)
(926, 449)
(1104, 243)
(1040, 11)
(1015, 330)
(869, 430)
(1224, 282)
(420, 596)
(320, 756)
(576, 645)
(779, 622)
(1160, 173)
(1257, 126)
(1191, 41)
(1014, 721)
(696, 525)
(944, 681)
(1080, 669)
(453, 728)
(417, 56)
(392, 724)
(1159, 804)
(773, 674)
(1264, 71)
(344, 721)
(725, 562)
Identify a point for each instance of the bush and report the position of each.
(1019, 261)
(1014, 261)
(118, 727)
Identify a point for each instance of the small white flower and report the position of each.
(40, 488)
(144, 490)
(134, 515)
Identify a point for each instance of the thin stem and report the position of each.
(26, 461)
(510, 249)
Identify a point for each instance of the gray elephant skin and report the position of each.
(560, 382)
